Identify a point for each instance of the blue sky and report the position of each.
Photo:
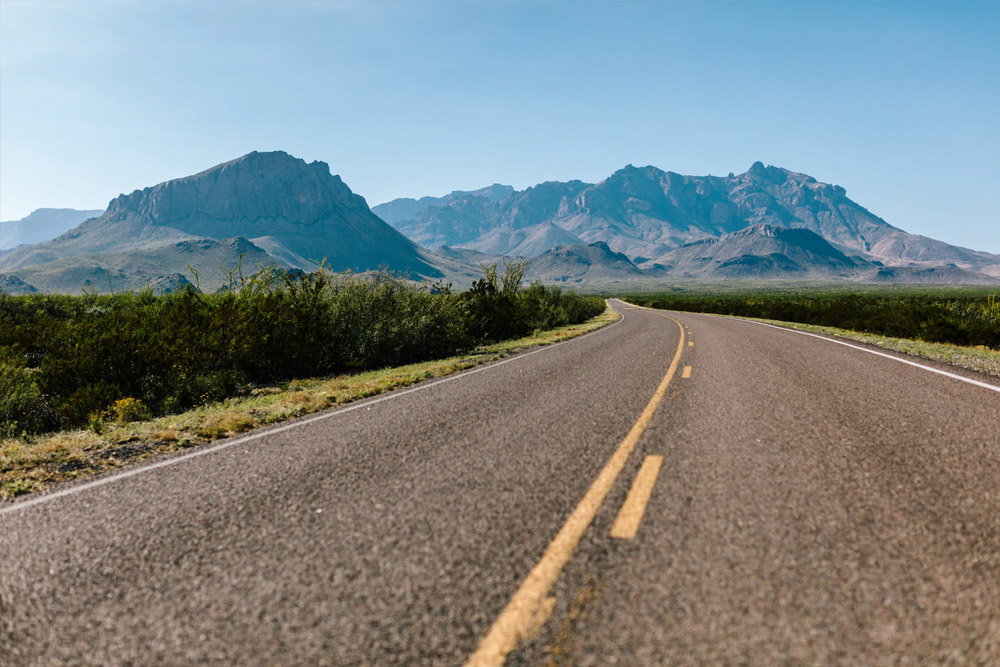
(899, 102)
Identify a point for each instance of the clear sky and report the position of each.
(899, 102)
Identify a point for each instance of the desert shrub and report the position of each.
(23, 408)
(129, 409)
(497, 307)
(175, 351)
(491, 304)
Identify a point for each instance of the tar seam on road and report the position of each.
(954, 376)
(515, 621)
(626, 526)
(46, 497)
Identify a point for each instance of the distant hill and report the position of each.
(927, 275)
(766, 252)
(16, 286)
(295, 213)
(592, 263)
(524, 241)
(41, 225)
(401, 210)
(163, 268)
(645, 212)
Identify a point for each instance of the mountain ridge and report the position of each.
(638, 224)
(645, 212)
(406, 208)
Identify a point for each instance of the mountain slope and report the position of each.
(593, 263)
(760, 251)
(523, 242)
(41, 225)
(161, 268)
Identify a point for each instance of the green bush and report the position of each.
(23, 408)
(497, 308)
(172, 352)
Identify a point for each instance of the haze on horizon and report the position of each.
(895, 101)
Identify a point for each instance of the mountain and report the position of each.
(41, 225)
(458, 221)
(760, 251)
(645, 212)
(401, 210)
(591, 263)
(927, 275)
(465, 221)
(293, 213)
(640, 224)
(767, 252)
(524, 241)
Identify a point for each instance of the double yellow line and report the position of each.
(528, 610)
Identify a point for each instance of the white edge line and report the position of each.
(954, 376)
(46, 497)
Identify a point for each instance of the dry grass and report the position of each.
(39, 462)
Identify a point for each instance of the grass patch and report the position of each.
(34, 463)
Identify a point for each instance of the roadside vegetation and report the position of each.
(93, 361)
(958, 317)
(32, 463)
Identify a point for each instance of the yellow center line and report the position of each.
(516, 619)
(630, 515)
(686, 373)
(691, 343)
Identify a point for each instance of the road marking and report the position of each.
(44, 497)
(630, 515)
(954, 376)
(515, 621)
(690, 343)
(540, 617)
(686, 373)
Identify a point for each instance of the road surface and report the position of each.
(790, 500)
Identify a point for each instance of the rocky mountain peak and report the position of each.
(770, 173)
(259, 185)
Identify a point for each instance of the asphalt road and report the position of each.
(813, 503)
